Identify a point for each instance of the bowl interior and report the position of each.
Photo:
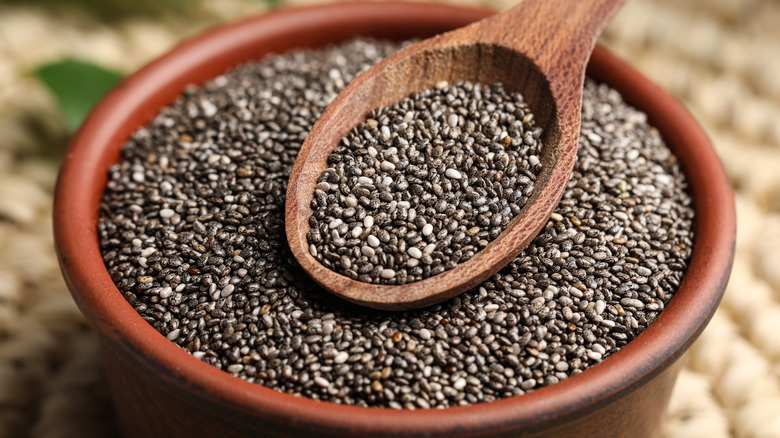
(139, 98)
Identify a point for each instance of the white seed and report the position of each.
(367, 251)
(166, 213)
(414, 252)
(387, 274)
(227, 290)
(452, 173)
(209, 109)
(235, 368)
(387, 166)
(341, 357)
(620, 215)
(632, 302)
(166, 292)
(593, 355)
(427, 229)
(372, 240)
(664, 180)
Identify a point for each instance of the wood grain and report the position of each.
(539, 48)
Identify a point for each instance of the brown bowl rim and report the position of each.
(96, 145)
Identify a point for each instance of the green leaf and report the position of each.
(77, 86)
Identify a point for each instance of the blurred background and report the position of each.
(721, 57)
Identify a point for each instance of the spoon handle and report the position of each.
(561, 36)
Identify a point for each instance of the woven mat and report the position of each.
(721, 57)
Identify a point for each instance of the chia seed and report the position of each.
(449, 166)
(222, 284)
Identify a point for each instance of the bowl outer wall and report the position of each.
(139, 98)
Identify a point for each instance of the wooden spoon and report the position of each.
(539, 48)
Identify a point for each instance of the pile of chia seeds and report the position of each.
(424, 184)
(191, 230)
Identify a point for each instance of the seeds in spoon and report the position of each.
(449, 166)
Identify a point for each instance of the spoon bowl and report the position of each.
(545, 61)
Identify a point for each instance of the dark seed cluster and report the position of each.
(191, 230)
(424, 184)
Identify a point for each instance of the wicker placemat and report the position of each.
(721, 57)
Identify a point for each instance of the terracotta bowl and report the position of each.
(160, 390)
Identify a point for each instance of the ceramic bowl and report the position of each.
(160, 390)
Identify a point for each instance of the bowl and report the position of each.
(161, 390)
